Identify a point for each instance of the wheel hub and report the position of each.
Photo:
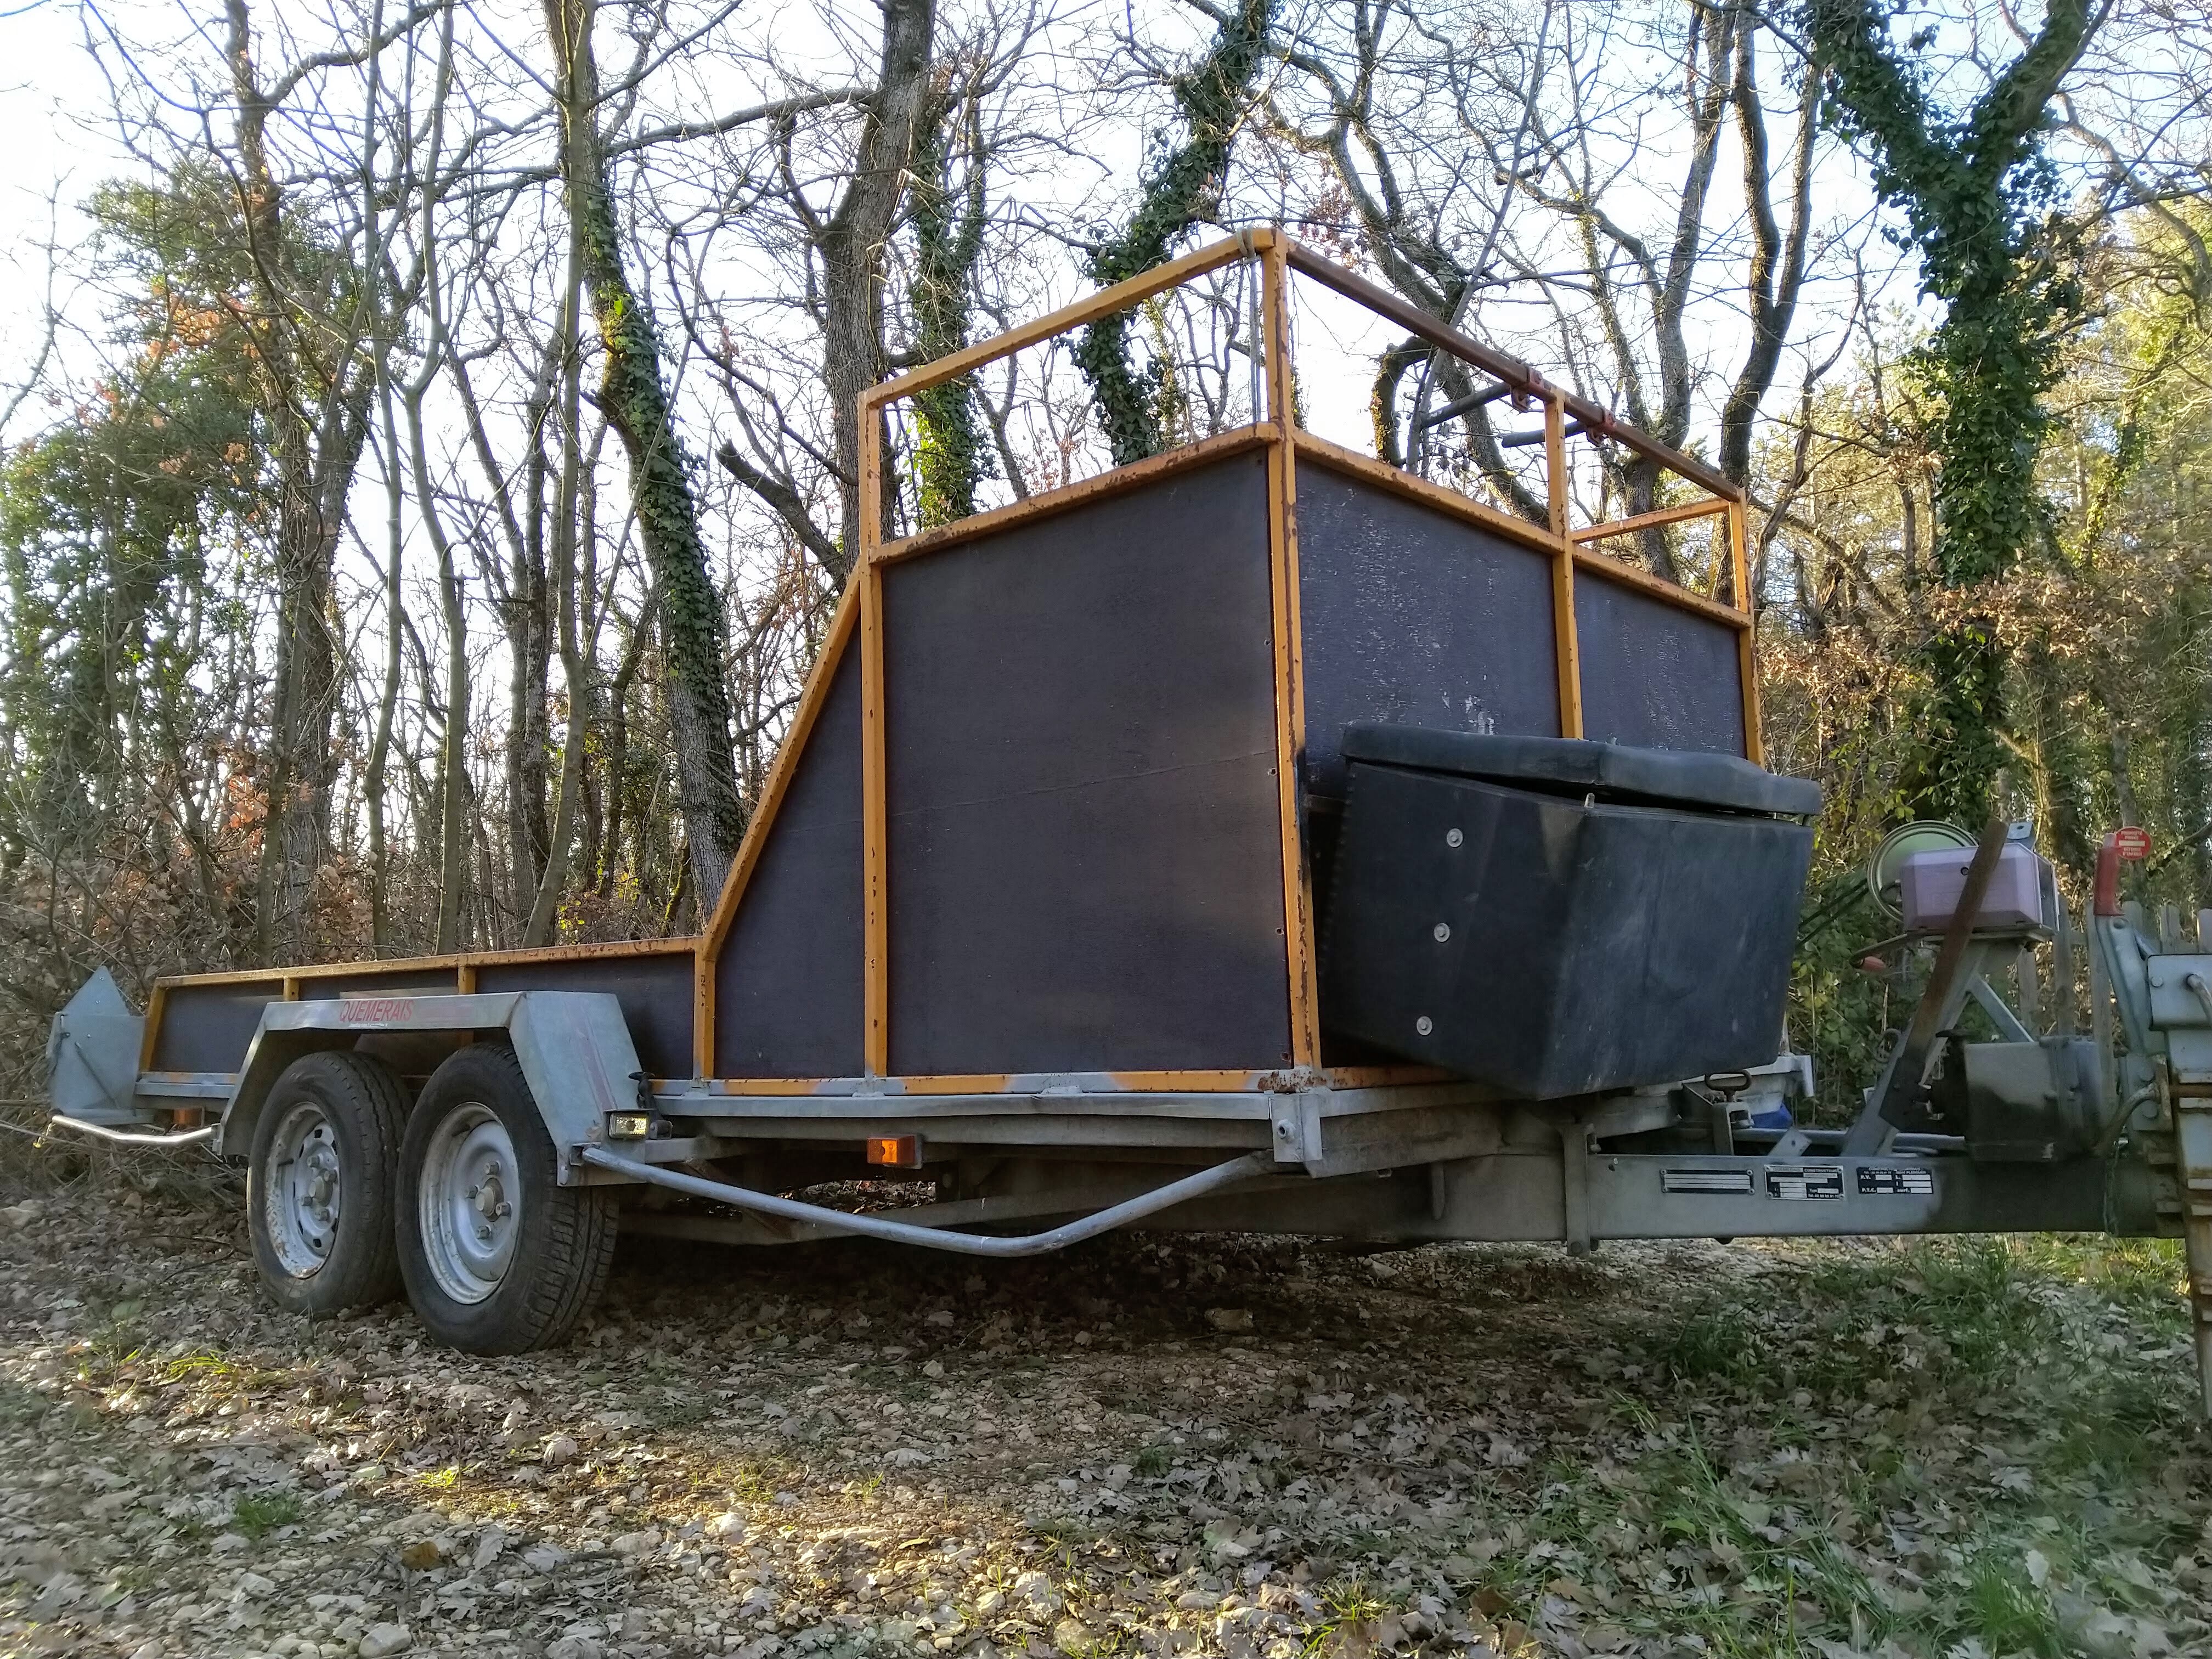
(306, 1189)
(471, 1187)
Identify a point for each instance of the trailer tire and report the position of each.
(498, 1257)
(319, 1184)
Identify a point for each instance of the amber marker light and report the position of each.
(896, 1152)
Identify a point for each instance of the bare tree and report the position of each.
(843, 241)
(315, 382)
(1545, 160)
(636, 401)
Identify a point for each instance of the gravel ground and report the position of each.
(1147, 1446)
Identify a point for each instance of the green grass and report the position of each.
(1345, 1602)
(754, 1484)
(20, 1405)
(678, 1410)
(2006, 1611)
(1156, 1460)
(1716, 1342)
(205, 1368)
(2145, 1278)
(1950, 1312)
(1993, 1396)
(259, 1514)
(2112, 1434)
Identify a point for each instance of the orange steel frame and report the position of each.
(859, 616)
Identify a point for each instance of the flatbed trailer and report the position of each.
(1257, 836)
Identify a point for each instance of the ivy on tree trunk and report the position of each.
(1977, 195)
(950, 457)
(1182, 189)
(636, 405)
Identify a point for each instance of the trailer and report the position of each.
(1257, 836)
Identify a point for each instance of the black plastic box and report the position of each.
(1554, 917)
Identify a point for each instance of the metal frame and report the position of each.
(859, 621)
(1277, 256)
(131, 1137)
(1317, 1128)
(1235, 1171)
(1391, 1161)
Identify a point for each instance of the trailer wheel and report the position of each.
(319, 1184)
(498, 1257)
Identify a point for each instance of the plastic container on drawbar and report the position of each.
(1555, 917)
(1930, 885)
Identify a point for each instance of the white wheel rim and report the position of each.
(471, 1203)
(306, 1189)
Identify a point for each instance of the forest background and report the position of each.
(430, 456)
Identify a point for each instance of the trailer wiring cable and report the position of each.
(1246, 1168)
(2110, 1137)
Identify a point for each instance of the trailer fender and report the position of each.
(574, 1046)
(92, 1057)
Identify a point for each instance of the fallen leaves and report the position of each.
(1481, 1451)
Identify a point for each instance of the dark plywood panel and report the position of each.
(655, 993)
(1654, 674)
(787, 999)
(206, 1028)
(1411, 615)
(1085, 842)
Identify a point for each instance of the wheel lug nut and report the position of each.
(502, 1211)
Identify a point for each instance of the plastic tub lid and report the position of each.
(1671, 776)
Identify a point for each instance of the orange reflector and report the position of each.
(898, 1151)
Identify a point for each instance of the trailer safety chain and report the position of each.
(1247, 1168)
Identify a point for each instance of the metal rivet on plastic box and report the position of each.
(1443, 931)
(1424, 1025)
(1452, 838)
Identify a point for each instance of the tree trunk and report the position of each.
(2061, 806)
(617, 765)
(950, 457)
(636, 406)
(317, 420)
(388, 705)
(851, 244)
(453, 832)
(1212, 100)
(530, 650)
(545, 906)
(1778, 262)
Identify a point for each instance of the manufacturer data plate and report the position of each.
(1704, 1181)
(1897, 1181)
(1804, 1181)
